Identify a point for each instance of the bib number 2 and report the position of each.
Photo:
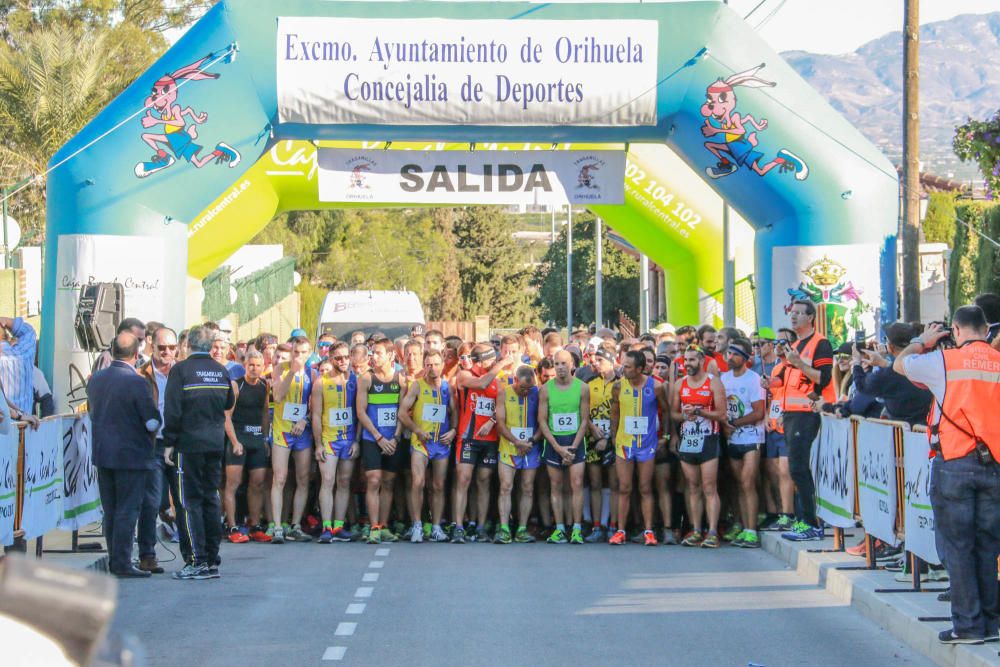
(294, 412)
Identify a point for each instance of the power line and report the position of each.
(759, 5)
(771, 15)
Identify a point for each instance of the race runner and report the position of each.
(600, 453)
(520, 451)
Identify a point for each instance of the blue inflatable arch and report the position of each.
(822, 199)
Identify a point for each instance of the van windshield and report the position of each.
(343, 330)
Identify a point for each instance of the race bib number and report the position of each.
(434, 414)
(604, 425)
(386, 418)
(339, 417)
(775, 411)
(293, 412)
(565, 421)
(525, 433)
(252, 430)
(637, 425)
(692, 444)
(485, 407)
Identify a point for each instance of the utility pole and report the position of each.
(728, 268)
(911, 161)
(569, 271)
(598, 275)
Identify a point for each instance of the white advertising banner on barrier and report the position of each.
(833, 472)
(918, 515)
(8, 486)
(470, 72)
(480, 177)
(81, 497)
(43, 479)
(877, 480)
(135, 262)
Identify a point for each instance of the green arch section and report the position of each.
(679, 235)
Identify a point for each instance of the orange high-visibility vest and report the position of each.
(972, 393)
(798, 386)
(777, 392)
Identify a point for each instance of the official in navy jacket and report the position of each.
(124, 420)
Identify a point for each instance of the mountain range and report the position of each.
(959, 77)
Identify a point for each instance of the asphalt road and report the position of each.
(443, 604)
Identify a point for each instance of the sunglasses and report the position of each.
(166, 347)
(340, 357)
(464, 357)
(324, 345)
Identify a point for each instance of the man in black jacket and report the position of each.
(196, 398)
(124, 418)
(902, 399)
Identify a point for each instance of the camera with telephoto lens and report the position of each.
(946, 343)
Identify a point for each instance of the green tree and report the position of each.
(446, 302)
(620, 282)
(939, 223)
(493, 274)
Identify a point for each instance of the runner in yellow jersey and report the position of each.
(520, 451)
(292, 436)
(600, 454)
(335, 430)
(429, 411)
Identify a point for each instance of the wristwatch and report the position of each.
(917, 340)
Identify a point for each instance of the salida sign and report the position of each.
(481, 177)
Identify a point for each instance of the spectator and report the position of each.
(18, 345)
(965, 475)
(124, 418)
(43, 395)
(903, 401)
(990, 303)
(197, 395)
(133, 326)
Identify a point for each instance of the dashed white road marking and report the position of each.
(355, 608)
(370, 577)
(382, 552)
(376, 565)
(364, 591)
(345, 629)
(334, 652)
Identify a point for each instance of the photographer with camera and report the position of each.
(902, 400)
(965, 476)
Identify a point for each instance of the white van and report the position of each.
(392, 313)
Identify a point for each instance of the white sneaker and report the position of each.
(417, 533)
(438, 534)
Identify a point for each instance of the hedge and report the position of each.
(974, 267)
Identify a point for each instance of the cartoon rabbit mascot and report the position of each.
(739, 133)
(177, 135)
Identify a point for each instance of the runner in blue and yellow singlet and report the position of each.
(520, 451)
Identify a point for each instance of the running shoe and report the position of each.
(637, 538)
(438, 534)
(388, 536)
(417, 533)
(213, 572)
(734, 531)
(750, 540)
(576, 537)
(949, 636)
(483, 535)
(693, 539)
(668, 538)
(326, 537)
(374, 536)
(341, 534)
(427, 530)
(277, 535)
(192, 572)
(650, 538)
(503, 536)
(618, 538)
(884, 552)
(783, 524)
(557, 537)
(296, 534)
(458, 535)
(596, 535)
(236, 536)
(522, 536)
(366, 530)
(859, 549)
(398, 528)
(738, 540)
(931, 574)
(895, 565)
(944, 597)
(803, 532)
(711, 541)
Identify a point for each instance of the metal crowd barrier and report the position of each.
(887, 478)
(55, 482)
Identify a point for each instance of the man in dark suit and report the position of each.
(124, 419)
